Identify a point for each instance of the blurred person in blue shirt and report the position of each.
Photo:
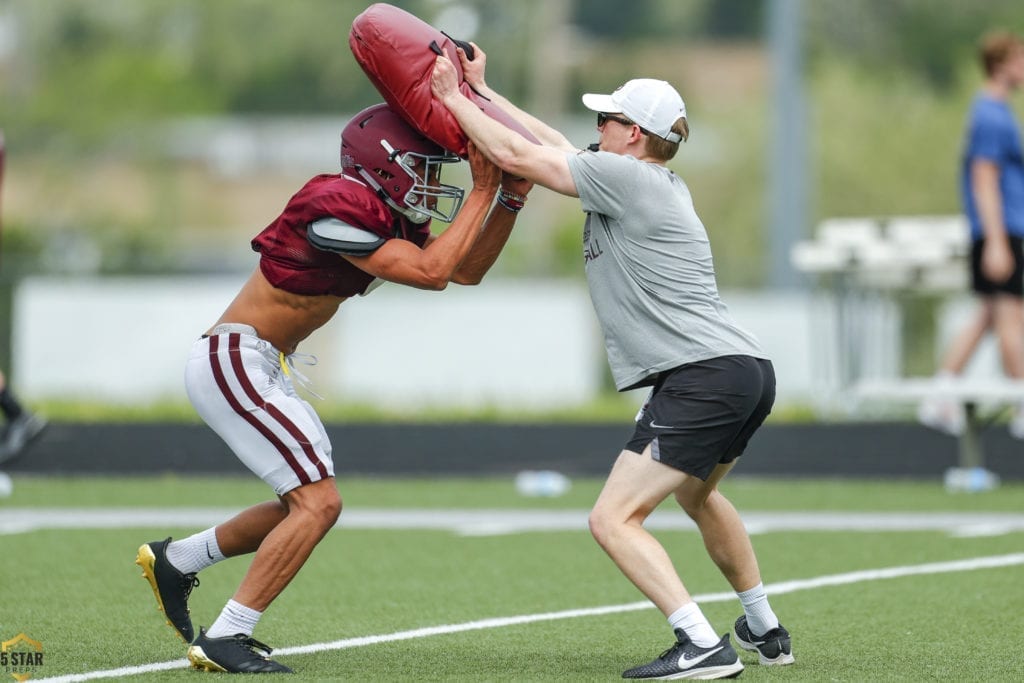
(992, 187)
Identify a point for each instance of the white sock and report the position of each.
(197, 552)
(234, 618)
(760, 617)
(695, 624)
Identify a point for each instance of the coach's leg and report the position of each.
(728, 545)
(635, 486)
(725, 537)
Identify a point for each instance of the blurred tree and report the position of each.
(84, 70)
(642, 19)
(733, 19)
(927, 38)
(88, 80)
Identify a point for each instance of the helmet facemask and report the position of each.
(401, 165)
(427, 197)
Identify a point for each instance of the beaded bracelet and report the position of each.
(511, 201)
(514, 196)
(509, 206)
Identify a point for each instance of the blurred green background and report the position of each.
(88, 88)
(97, 97)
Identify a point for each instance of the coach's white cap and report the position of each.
(652, 104)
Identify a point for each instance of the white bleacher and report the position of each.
(891, 252)
(869, 266)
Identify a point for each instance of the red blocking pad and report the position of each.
(397, 51)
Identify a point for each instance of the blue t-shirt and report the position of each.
(993, 134)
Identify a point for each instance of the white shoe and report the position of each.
(945, 415)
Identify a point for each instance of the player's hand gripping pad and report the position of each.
(397, 52)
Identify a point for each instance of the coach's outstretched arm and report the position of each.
(473, 72)
(508, 149)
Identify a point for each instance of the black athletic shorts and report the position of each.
(704, 413)
(985, 287)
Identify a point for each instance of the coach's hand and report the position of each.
(444, 81)
(473, 69)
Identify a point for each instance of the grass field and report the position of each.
(408, 600)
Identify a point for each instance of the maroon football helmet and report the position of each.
(403, 166)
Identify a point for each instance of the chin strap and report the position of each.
(413, 215)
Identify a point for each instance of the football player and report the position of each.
(337, 237)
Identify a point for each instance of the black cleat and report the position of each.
(773, 648)
(237, 654)
(170, 586)
(19, 433)
(686, 660)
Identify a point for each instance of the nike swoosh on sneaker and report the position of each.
(689, 663)
(752, 640)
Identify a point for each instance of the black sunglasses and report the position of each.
(603, 118)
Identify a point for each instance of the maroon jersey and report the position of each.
(291, 263)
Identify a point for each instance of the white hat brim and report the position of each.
(605, 103)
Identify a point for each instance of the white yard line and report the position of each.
(992, 562)
(493, 522)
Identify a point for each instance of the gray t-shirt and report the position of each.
(649, 267)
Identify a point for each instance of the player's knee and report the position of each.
(319, 503)
(329, 509)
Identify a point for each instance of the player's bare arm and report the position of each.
(512, 152)
(473, 72)
(495, 234)
(434, 266)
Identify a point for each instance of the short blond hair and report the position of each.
(996, 47)
(663, 150)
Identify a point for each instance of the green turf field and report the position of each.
(410, 602)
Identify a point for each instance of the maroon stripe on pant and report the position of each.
(236, 362)
(265, 431)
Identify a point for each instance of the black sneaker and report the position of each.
(170, 586)
(237, 654)
(686, 660)
(773, 648)
(19, 433)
